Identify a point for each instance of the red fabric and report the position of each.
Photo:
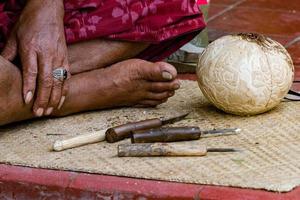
(166, 24)
(202, 2)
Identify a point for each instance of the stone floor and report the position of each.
(278, 19)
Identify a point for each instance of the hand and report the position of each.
(38, 37)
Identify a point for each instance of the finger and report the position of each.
(55, 97)
(57, 86)
(29, 72)
(63, 96)
(9, 51)
(58, 93)
(44, 87)
(65, 87)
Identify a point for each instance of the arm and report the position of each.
(38, 37)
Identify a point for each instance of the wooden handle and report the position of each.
(160, 149)
(81, 140)
(170, 134)
(124, 131)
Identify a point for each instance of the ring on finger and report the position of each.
(60, 74)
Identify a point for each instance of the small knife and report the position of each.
(167, 149)
(173, 134)
(124, 131)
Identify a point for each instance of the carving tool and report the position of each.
(167, 149)
(173, 134)
(124, 131)
(292, 96)
(80, 140)
(113, 134)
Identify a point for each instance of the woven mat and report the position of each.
(271, 143)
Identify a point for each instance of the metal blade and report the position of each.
(173, 119)
(294, 93)
(220, 132)
(223, 150)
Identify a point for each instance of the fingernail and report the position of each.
(28, 97)
(49, 111)
(39, 112)
(62, 100)
(171, 94)
(176, 86)
(167, 75)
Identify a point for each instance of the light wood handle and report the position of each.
(160, 149)
(80, 140)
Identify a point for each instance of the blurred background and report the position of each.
(277, 19)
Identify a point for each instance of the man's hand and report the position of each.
(38, 37)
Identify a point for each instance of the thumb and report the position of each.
(9, 51)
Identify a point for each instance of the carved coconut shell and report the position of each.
(245, 74)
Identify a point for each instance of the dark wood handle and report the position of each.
(170, 134)
(124, 131)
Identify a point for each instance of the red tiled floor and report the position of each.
(277, 19)
(286, 5)
(296, 86)
(215, 9)
(216, 33)
(225, 2)
(297, 72)
(294, 50)
(265, 21)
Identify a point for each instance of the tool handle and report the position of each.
(124, 131)
(160, 149)
(169, 134)
(81, 140)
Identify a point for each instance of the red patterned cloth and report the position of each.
(166, 24)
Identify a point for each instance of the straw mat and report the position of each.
(270, 142)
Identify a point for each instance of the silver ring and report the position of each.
(60, 74)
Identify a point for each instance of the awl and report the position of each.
(124, 131)
(173, 134)
(167, 149)
(113, 134)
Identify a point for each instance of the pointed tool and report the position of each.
(124, 131)
(173, 134)
(167, 149)
(113, 134)
(292, 96)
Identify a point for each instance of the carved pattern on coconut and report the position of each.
(245, 74)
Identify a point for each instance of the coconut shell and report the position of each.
(245, 74)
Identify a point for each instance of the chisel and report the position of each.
(121, 132)
(113, 134)
(167, 149)
(174, 134)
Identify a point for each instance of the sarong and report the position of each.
(165, 24)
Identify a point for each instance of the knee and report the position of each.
(8, 73)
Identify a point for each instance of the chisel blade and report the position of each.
(220, 132)
(222, 150)
(173, 119)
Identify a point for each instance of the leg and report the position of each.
(98, 53)
(127, 83)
